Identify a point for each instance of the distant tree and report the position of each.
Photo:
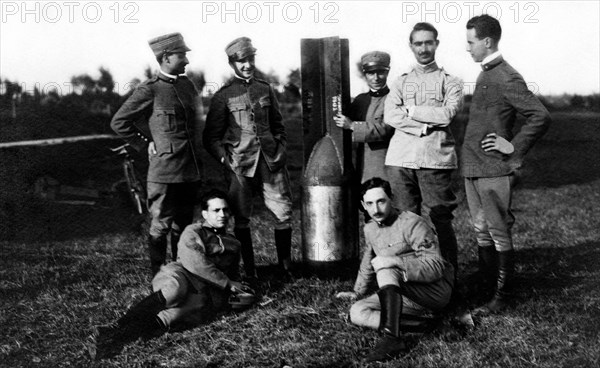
(292, 87)
(106, 82)
(84, 84)
(593, 102)
(148, 73)
(577, 101)
(197, 77)
(270, 77)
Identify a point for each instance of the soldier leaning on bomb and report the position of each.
(244, 132)
(170, 105)
(365, 120)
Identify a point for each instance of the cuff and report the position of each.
(359, 131)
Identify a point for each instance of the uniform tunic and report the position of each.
(195, 286)
(425, 278)
(372, 134)
(244, 130)
(171, 109)
(243, 122)
(500, 93)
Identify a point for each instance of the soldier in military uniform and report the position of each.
(190, 291)
(169, 103)
(365, 120)
(403, 257)
(244, 132)
(365, 117)
(420, 106)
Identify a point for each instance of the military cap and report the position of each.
(375, 60)
(240, 48)
(169, 43)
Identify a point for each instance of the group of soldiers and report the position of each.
(406, 158)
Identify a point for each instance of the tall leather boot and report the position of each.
(140, 321)
(158, 252)
(506, 269)
(488, 270)
(283, 243)
(391, 344)
(448, 243)
(144, 310)
(247, 251)
(174, 242)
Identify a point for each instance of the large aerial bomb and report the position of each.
(329, 201)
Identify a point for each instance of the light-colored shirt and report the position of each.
(423, 139)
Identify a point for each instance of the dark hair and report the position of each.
(211, 194)
(160, 56)
(423, 26)
(376, 183)
(485, 26)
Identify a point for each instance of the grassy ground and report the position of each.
(69, 269)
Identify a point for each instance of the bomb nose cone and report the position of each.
(325, 166)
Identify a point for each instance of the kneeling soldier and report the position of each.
(403, 256)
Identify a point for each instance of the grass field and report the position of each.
(69, 269)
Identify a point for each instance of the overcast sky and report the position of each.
(555, 45)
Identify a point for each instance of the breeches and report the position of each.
(171, 207)
(418, 298)
(489, 202)
(275, 190)
(184, 303)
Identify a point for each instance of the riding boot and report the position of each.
(148, 307)
(141, 320)
(506, 269)
(174, 242)
(488, 270)
(158, 252)
(391, 344)
(283, 243)
(448, 243)
(245, 238)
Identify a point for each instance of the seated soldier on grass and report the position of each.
(403, 257)
(190, 291)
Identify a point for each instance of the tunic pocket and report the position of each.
(238, 110)
(166, 119)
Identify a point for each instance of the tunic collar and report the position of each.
(389, 220)
(428, 68)
(213, 230)
(167, 77)
(491, 61)
(380, 92)
(244, 80)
